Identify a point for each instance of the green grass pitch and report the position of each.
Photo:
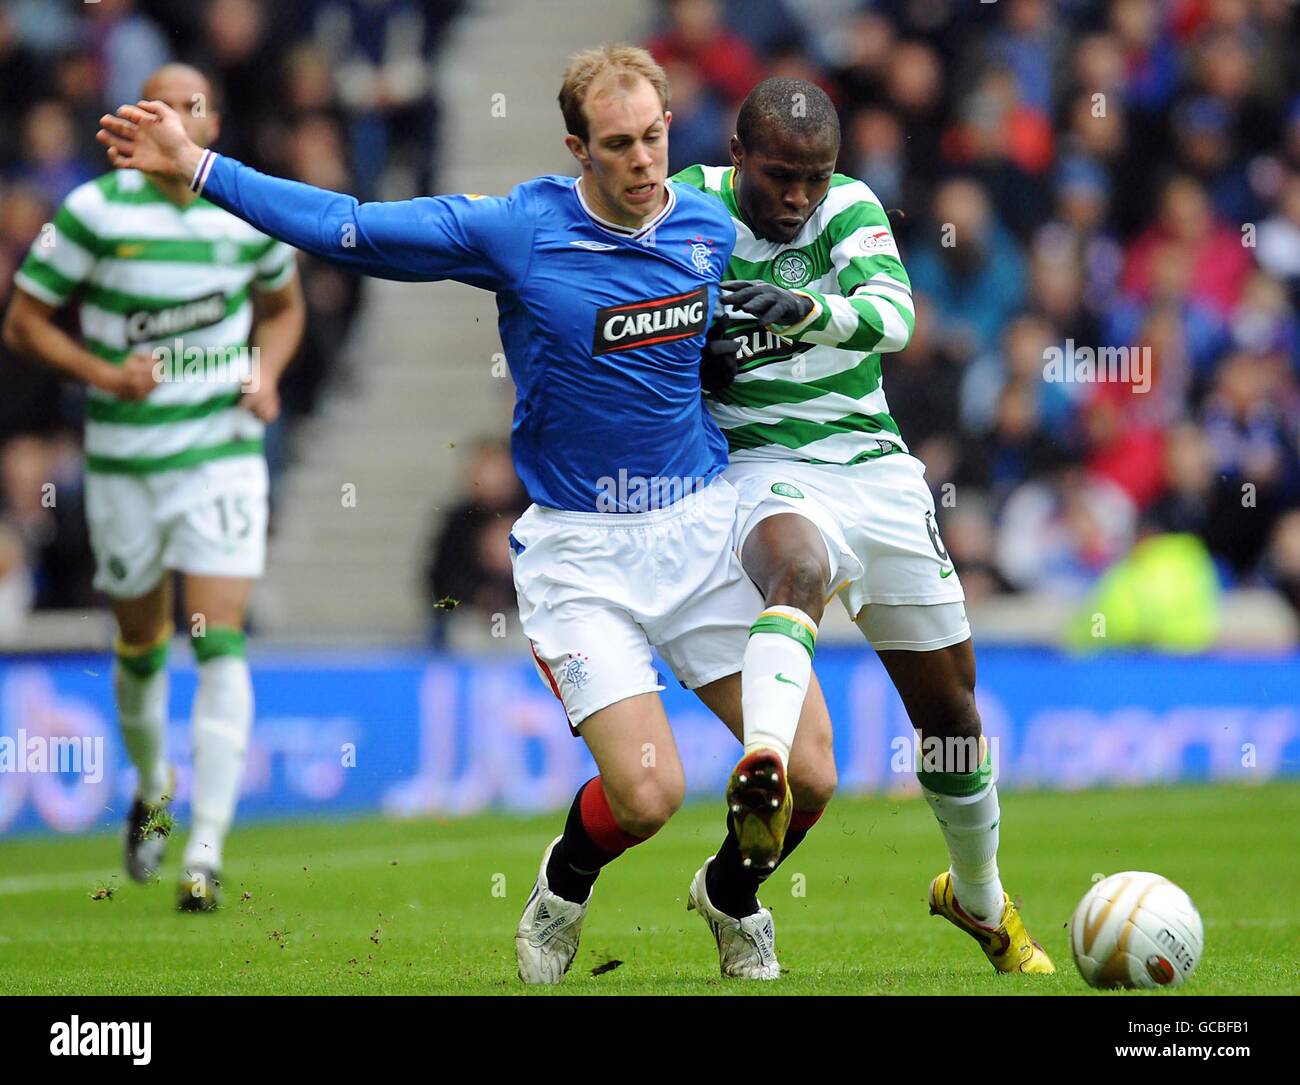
(379, 907)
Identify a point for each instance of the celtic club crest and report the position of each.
(792, 269)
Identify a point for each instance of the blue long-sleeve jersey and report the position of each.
(602, 326)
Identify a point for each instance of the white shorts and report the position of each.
(598, 590)
(878, 522)
(208, 520)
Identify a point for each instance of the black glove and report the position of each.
(720, 359)
(766, 303)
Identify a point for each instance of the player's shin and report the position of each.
(140, 691)
(966, 806)
(774, 677)
(592, 839)
(222, 720)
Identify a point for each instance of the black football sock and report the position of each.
(576, 860)
(732, 886)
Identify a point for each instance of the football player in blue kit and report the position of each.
(605, 287)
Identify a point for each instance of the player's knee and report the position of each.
(800, 583)
(646, 808)
(813, 777)
(955, 715)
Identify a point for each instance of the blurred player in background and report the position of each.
(173, 292)
(830, 499)
(604, 286)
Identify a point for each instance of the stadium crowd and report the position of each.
(1073, 176)
(338, 93)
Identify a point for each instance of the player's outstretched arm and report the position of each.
(411, 240)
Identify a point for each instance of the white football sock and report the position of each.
(774, 677)
(142, 713)
(970, 827)
(222, 719)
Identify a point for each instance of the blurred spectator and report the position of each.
(381, 52)
(41, 502)
(971, 268)
(51, 163)
(238, 52)
(770, 25)
(1219, 261)
(1150, 56)
(1029, 46)
(1187, 501)
(864, 44)
(914, 91)
(61, 65)
(873, 147)
(1008, 145)
(1015, 450)
(15, 584)
(1279, 237)
(1163, 594)
(315, 154)
(1018, 359)
(970, 538)
(697, 36)
(469, 571)
(1253, 437)
(1059, 534)
(19, 80)
(1282, 567)
(128, 46)
(701, 128)
(1204, 140)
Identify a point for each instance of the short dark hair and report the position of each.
(779, 109)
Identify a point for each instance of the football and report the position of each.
(1136, 929)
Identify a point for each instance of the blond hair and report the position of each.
(628, 62)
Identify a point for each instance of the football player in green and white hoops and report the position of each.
(188, 317)
(831, 501)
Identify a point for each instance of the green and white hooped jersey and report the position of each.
(149, 274)
(814, 394)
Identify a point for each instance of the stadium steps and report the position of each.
(422, 354)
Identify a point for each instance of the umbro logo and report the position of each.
(594, 246)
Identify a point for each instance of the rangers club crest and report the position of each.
(702, 254)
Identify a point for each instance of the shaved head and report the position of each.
(785, 111)
(784, 151)
(188, 91)
(170, 74)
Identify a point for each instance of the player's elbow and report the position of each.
(14, 333)
(908, 329)
(897, 334)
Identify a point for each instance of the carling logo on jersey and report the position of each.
(143, 325)
(644, 323)
(761, 346)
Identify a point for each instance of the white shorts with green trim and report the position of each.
(206, 520)
(598, 590)
(877, 520)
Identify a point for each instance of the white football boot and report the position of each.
(547, 939)
(746, 947)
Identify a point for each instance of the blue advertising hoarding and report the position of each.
(412, 733)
